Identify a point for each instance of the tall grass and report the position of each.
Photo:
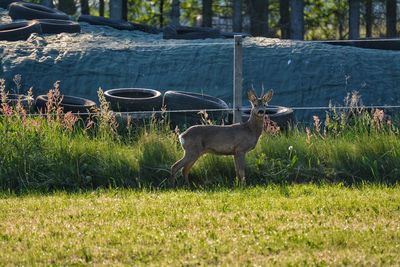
(62, 151)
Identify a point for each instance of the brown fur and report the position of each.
(236, 139)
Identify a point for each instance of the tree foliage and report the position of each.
(323, 19)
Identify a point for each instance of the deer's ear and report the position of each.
(268, 96)
(252, 96)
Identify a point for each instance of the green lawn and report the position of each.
(299, 224)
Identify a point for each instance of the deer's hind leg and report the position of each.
(175, 168)
(187, 167)
(186, 163)
(240, 164)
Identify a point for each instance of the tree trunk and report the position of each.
(175, 13)
(297, 20)
(368, 18)
(207, 13)
(125, 10)
(67, 6)
(341, 29)
(391, 18)
(116, 9)
(85, 7)
(101, 8)
(284, 21)
(237, 16)
(259, 17)
(354, 19)
(161, 13)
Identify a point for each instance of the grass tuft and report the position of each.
(62, 151)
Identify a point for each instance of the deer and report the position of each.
(236, 139)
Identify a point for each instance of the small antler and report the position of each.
(252, 87)
(262, 89)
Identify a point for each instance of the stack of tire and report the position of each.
(118, 24)
(68, 103)
(34, 19)
(145, 101)
(139, 104)
(26, 101)
(133, 104)
(192, 33)
(282, 116)
(218, 110)
(182, 106)
(76, 105)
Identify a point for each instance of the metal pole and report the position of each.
(237, 80)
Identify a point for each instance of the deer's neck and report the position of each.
(256, 124)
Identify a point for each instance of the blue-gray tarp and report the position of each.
(301, 73)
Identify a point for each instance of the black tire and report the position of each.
(16, 31)
(55, 26)
(145, 28)
(190, 33)
(29, 11)
(133, 99)
(68, 103)
(186, 29)
(176, 100)
(125, 120)
(5, 3)
(230, 35)
(169, 32)
(113, 23)
(12, 100)
(283, 116)
(384, 44)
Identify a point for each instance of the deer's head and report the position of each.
(259, 104)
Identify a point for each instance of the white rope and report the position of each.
(145, 112)
(360, 107)
(172, 111)
(152, 112)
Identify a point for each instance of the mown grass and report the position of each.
(274, 225)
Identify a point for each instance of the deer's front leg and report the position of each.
(240, 163)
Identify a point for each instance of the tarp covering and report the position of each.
(301, 73)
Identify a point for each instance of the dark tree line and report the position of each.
(296, 18)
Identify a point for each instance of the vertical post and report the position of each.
(175, 13)
(101, 8)
(161, 13)
(354, 19)
(237, 80)
(237, 16)
(368, 18)
(116, 9)
(297, 19)
(391, 18)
